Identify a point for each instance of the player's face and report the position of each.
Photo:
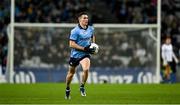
(168, 40)
(84, 20)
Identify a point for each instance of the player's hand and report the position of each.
(88, 49)
(164, 63)
(176, 60)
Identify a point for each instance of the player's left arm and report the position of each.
(175, 58)
(93, 39)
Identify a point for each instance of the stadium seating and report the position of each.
(58, 11)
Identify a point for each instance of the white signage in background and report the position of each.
(22, 77)
(147, 77)
(142, 77)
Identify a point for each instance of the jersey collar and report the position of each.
(82, 28)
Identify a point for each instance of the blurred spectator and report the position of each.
(49, 10)
(3, 51)
(64, 11)
(122, 11)
(170, 24)
(48, 47)
(4, 21)
(134, 11)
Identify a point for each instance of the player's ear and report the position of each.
(79, 18)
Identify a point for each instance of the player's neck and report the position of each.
(83, 26)
(168, 43)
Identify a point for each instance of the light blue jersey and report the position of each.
(82, 37)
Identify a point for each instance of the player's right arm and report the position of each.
(175, 58)
(74, 45)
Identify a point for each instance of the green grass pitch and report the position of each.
(53, 93)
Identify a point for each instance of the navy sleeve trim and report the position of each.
(72, 39)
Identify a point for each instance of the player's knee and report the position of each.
(72, 70)
(70, 74)
(86, 70)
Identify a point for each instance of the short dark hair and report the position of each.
(82, 13)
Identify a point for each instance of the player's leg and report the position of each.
(85, 63)
(173, 73)
(69, 77)
(73, 62)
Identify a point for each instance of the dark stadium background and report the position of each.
(64, 11)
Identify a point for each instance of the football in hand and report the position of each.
(96, 47)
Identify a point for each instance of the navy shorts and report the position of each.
(75, 61)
